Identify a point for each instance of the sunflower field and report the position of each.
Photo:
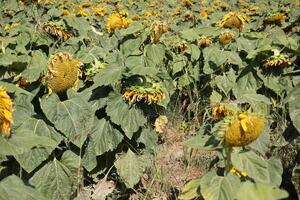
(88, 89)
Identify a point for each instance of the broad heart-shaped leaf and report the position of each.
(22, 141)
(36, 66)
(226, 81)
(190, 190)
(129, 118)
(29, 160)
(204, 142)
(12, 187)
(264, 171)
(261, 144)
(111, 74)
(260, 191)
(220, 187)
(105, 137)
(245, 84)
(293, 100)
(130, 168)
(58, 179)
(154, 54)
(73, 117)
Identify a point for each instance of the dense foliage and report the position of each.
(85, 85)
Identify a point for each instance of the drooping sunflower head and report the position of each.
(275, 18)
(232, 20)
(57, 30)
(63, 72)
(226, 37)
(158, 29)
(117, 21)
(221, 5)
(243, 130)
(160, 123)
(280, 60)
(204, 13)
(204, 41)
(219, 111)
(6, 118)
(143, 89)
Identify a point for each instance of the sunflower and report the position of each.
(226, 37)
(221, 5)
(243, 130)
(232, 20)
(219, 111)
(160, 123)
(204, 42)
(274, 18)
(56, 30)
(280, 60)
(79, 10)
(5, 113)
(117, 21)
(158, 28)
(97, 11)
(63, 72)
(204, 13)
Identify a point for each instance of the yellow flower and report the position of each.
(226, 37)
(160, 123)
(204, 42)
(63, 72)
(232, 20)
(221, 5)
(149, 13)
(219, 111)
(186, 3)
(81, 11)
(98, 11)
(117, 21)
(158, 28)
(7, 27)
(237, 172)
(280, 60)
(6, 118)
(204, 13)
(243, 130)
(275, 18)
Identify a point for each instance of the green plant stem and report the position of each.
(228, 163)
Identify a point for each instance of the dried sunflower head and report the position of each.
(117, 21)
(232, 20)
(63, 72)
(158, 28)
(147, 91)
(280, 60)
(6, 109)
(80, 10)
(186, 3)
(226, 37)
(275, 18)
(160, 123)
(56, 30)
(243, 130)
(204, 13)
(219, 111)
(204, 42)
(221, 5)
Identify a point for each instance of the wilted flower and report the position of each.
(204, 42)
(221, 5)
(275, 18)
(117, 21)
(226, 37)
(6, 118)
(219, 111)
(233, 20)
(57, 31)
(280, 60)
(158, 28)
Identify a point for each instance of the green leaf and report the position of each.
(130, 168)
(54, 180)
(204, 142)
(110, 75)
(259, 191)
(261, 144)
(245, 84)
(149, 138)
(104, 137)
(189, 34)
(133, 28)
(234, 58)
(129, 118)
(296, 179)
(264, 171)
(195, 52)
(73, 117)
(12, 187)
(154, 54)
(22, 140)
(294, 106)
(178, 64)
(190, 190)
(131, 46)
(226, 82)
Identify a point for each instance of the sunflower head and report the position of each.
(221, 5)
(158, 28)
(82, 11)
(204, 13)
(275, 18)
(232, 20)
(143, 89)
(57, 30)
(243, 130)
(186, 3)
(117, 21)
(219, 111)
(204, 42)
(98, 11)
(160, 123)
(5, 113)
(226, 37)
(63, 72)
(280, 60)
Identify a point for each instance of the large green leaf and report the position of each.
(58, 179)
(154, 54)
(22, 140)
(204, 142)
(294, 106)
(111, 74)
(29, 160)
(129, 118)
(73, 117)
(261, 170)
(130, 168)
(259, 191)
(246, 84)
(190, 190)
(12, 187)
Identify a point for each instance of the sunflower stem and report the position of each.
(228, 163)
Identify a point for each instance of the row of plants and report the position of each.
(85, 86)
